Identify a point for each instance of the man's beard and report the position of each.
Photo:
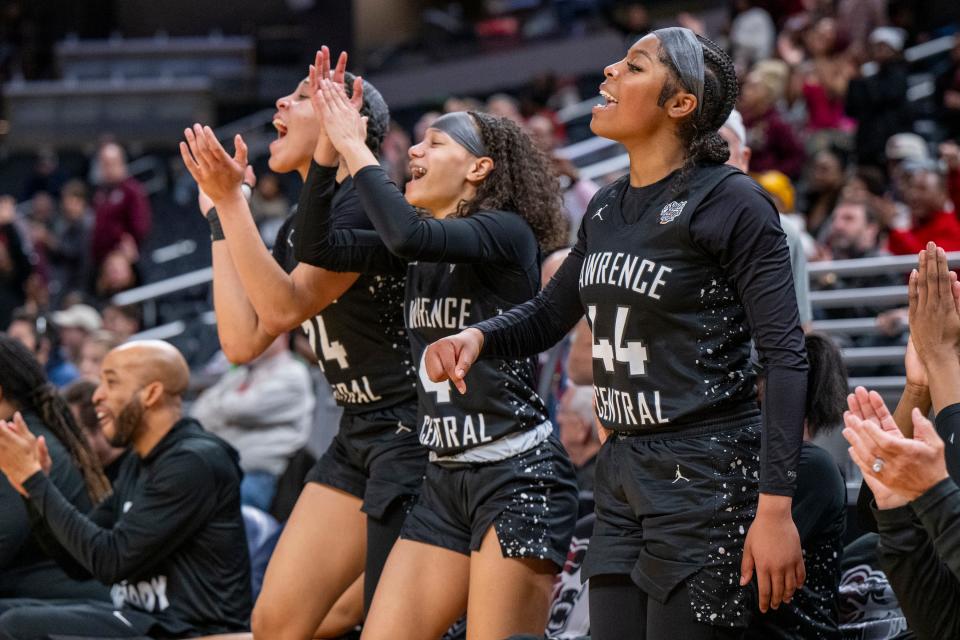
(128, 423)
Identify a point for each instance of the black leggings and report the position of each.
(619, 610)
(381, 534)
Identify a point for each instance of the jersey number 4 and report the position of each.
(329, 351)
(632, 353)
(442, 389)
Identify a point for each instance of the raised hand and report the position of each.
(934, 317)
(341, 121)
(450, 358)
(218, 175)
(19, 452)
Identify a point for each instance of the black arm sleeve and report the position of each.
(490, 237)
(948, 427)
(14, 524)
(739, 225)
(540, 323)
(927, 591)
(178, 499)
(939, 513)
(338, 241)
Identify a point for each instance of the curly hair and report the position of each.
(522, 180)
(699, 132)
(25, 385)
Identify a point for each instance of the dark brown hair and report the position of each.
(522, 180)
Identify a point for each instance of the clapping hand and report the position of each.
(898, 469)
(218, 175)
(325, 153)
(21, 453)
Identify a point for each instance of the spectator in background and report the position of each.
(753, 35)
(94, 349)
(825, 181)
(930, 221)
(505, 106)
(121, 209)
(14, 262)
(948, 92)
(879, 102)
(79, 397)
(75, 324)
(393, 153)
(116, 273)
(264, 409)
(774, 144)
(268, 200)
(825, 76)
(170, 538)
(950, 155)
(40, 338)
(47, 176)
(26, 570)
(122, 321)
(577, 191)
(735, 135)
(70, 254)
(858, 19)
(578, 432)
(425, 122)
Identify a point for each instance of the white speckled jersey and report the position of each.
(501, 398)
(670, 338)
(360, 340)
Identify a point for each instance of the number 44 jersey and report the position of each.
(670, 340)
(359, 339)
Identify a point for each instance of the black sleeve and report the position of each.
(540, 323)
(820, 501)
(939, 513)
(928, 593)
(14, 525)
(338, 240)
(948, 426)
(178, 499)
(489, 237)
(738, 224)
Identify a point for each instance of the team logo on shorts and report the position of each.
(671, 211)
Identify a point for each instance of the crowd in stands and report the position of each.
(824, 124)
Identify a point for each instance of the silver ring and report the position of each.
(877, 466)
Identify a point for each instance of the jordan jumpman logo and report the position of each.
(679, 477)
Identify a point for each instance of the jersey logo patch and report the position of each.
(671, 211)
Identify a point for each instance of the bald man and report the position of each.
(170, 540)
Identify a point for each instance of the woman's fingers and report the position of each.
(356, 100)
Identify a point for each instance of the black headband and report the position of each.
(460, 126)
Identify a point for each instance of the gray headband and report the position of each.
(460, 126)
(686, 54)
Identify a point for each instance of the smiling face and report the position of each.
(297, 131)
(632, 93)
(443, 173)
(117, 400)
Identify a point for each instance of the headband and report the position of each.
(460, 126)
(686, 54)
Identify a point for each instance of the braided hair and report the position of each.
(699, 132)
(25, 385)
(522, 180)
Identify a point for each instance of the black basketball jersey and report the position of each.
(443, 299)
(670, 340)
(360, 340)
